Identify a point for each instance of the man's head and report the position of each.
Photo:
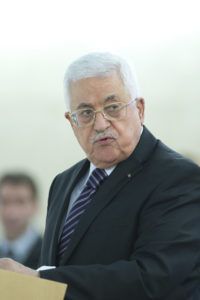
(104, 83)
(18, 203)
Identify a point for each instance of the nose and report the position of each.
(100, 122)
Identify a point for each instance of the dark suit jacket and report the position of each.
(139, 238)
(32, 260)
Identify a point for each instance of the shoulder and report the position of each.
(172, 161)
(151, 150)
(163, 166)
(172, 176)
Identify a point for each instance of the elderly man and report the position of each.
(123, 223)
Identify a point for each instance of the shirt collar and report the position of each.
(108, 170)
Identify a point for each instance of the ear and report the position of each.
(140, 104)
(67, 116)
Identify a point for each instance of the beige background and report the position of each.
(39, 39)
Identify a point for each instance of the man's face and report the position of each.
(16, 209)
(106, 143)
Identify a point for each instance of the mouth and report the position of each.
(104, 141)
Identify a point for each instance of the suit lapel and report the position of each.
(112, 185)
(61, 206)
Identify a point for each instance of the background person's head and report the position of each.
(102, 81)
(18, 203)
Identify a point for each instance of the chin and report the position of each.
(106, 157)
(104, 162)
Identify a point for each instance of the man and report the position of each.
(123, 223)
(18, 205)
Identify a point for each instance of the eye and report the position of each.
(85, 113)
(113, 107)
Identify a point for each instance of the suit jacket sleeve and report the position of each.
(165, 253)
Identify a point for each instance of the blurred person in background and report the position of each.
(18, 206)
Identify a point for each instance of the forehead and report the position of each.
(97, 90)
(12, 191)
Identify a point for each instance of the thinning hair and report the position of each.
(18, 178)
(100, 64)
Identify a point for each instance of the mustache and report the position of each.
(103, 135)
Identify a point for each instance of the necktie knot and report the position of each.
(96, 178)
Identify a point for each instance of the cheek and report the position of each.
(125, 133)
(129, 135)
(83, 137)
(26, 213)
(125, 141)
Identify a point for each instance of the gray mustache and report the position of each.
(103, 135)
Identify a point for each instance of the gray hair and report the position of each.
(100, 65)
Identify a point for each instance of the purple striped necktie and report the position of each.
(78, 208)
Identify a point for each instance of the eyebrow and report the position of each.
(111, 97)
(84, 105)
